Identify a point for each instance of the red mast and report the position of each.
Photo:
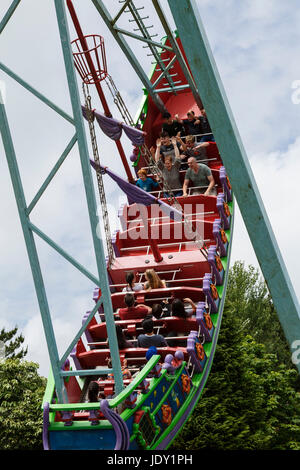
(96, 81)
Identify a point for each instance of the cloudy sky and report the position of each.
(256, 46)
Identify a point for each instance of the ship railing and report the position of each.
(153, 219)
(132, 340)
(191, 188)
(207, 160)
(162, 245)
(168, 281)
(196, 135)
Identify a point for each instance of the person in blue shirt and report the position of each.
(146, 183)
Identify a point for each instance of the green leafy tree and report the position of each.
(251, 400)
(11, 342)
(249, 299)
(21, 392)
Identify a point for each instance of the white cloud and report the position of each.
(275, 176)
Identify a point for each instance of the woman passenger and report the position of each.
(180, 310)
(153, 281)
(123, 342)
(131, 283)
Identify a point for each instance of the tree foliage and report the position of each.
(251, 400)
(12, 342)
(21, 392)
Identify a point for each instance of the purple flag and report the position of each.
(138, 195)
(113, 128)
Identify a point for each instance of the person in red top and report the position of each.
(131, 311)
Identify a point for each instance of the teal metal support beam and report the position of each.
(89, 190)
(99, 5)
(52, 173)
(9, 14)
(86, 372)
(32, 252)
(177, 52)
(35, 92)
(64, 254)
(81, 331)
(141, 38)
(204, 70)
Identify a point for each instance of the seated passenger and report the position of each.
(152, 351)
(205, 128)
(171, 175)
(158, 311)
(132, 285)
(145, 182)
(125, 371)
(201, 177)
(149, 338)
(192, 124)
(190, 149)
(131, 311)
(166, 146)
(172, 126)
(180, 310)
(123, 342)
(93, 392)
(153, 280)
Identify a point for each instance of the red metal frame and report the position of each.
(96, 50)
(94, 76)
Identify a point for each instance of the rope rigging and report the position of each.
(110, 250)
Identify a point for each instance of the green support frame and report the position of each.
(205, 78)
(213, 96)
(29, 229)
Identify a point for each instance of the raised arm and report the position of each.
(176, 149)
(157, 153)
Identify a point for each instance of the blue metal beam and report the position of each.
(89, 190)
(213, 96)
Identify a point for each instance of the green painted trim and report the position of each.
(132, 386)
(50, 389)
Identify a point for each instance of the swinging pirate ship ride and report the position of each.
(147, 410)
(144, 406)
